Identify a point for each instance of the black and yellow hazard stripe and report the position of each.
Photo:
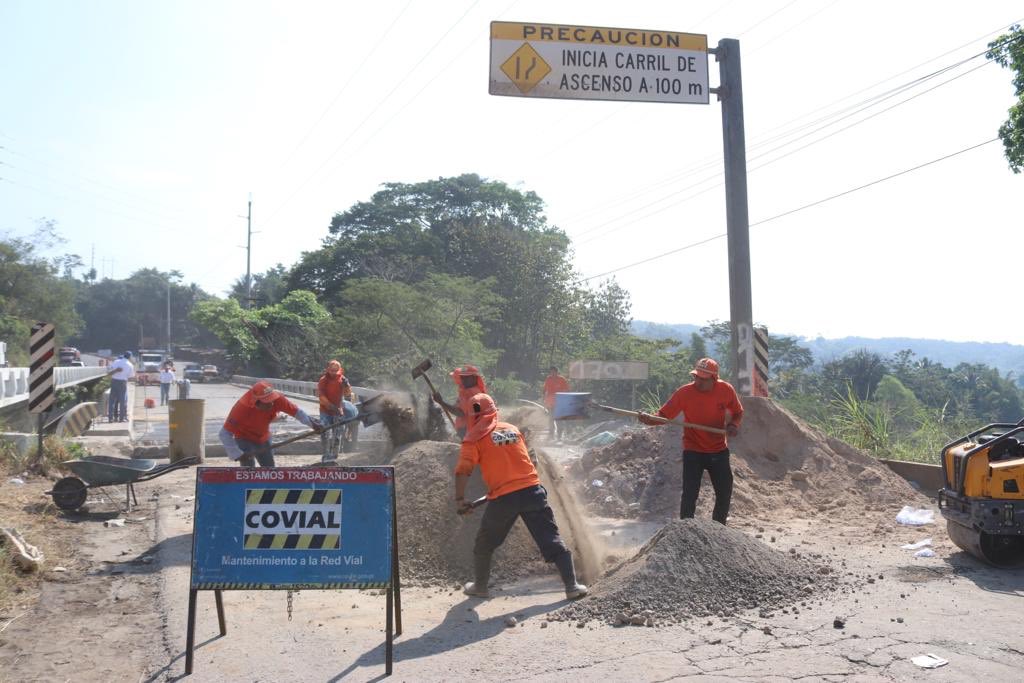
(292, 541)
(293, 496)
(228, 586)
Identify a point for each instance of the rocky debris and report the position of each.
(25, 555)
(782, 466)
(435, 545)
(698, 568)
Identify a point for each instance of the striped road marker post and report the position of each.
(40, 377)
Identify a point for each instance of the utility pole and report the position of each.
(168, 315)
(248, 257)
(736, 215)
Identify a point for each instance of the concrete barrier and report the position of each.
(925, 477)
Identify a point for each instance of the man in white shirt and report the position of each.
(121, 370)
(166, 380)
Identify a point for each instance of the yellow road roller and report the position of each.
(983, 496)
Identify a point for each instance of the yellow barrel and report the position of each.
(186, 426)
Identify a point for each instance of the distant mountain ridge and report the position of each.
(1005, 357)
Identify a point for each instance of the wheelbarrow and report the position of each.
(70, 493)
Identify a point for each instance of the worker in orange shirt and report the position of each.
(468, 382)
(553, 384)
(708, 401)
(246, 432)
(337, 404)
(513, 492)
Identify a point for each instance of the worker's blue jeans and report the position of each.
(117, 404)
(330, 440)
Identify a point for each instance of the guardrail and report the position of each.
(14, 381)
(298, 388)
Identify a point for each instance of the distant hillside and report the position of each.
(1006, 357)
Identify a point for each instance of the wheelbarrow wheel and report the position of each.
(69, 493)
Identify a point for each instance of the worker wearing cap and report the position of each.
(336, 405)
(554, 383)
(246, 432)
(513, 492)
(469, 382)
(121, 370)
(712, 402)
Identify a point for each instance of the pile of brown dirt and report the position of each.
(699, 568)
(436, 545)
(781, 466)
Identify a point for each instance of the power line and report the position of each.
(340, 92)
(379, 104)
(716, 175)
(863, 104)
(792, 211)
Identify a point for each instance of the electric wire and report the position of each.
(380, 103)
(791, 211)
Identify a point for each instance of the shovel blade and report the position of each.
(572, 405)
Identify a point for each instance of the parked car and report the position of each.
(210, 373)
(194, 373)
(76, 364)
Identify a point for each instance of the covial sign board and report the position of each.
(597, 63)
(292, 528)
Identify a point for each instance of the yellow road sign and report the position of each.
(525, 68)
(595, 63)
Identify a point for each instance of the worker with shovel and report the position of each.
(246, 432)
(554, 384)
(469, 382)
(513, 491)
(713, 403)
(337, 404)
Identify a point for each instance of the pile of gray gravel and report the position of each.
(699, 568)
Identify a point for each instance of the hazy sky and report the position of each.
(141, 128)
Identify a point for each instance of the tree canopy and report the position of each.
(1008, 51)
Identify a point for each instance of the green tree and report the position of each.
(35, 288)
(288, 339)
(464, 226)
(1008, 51)
(389, 327)
(268, 288)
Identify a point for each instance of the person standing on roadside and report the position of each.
(712, 402)
(469, 382)
(513, 492)
(336, 404)
(246, 432)
(553, 384)
(166, 380)
(121, 370)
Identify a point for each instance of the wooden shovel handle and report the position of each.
(434, 391)
(662, 420)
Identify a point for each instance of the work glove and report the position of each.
(317, 426)
(648, 419)
(462, 507)
(437, 398)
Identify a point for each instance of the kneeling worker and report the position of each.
(246, 432)
(513, 491)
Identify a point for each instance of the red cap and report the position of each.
(706, 368)
(264, 391)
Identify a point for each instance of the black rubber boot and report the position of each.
(482, 574)
(567, 571)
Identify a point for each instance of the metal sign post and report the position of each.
(292, 528)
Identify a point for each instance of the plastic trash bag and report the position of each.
(913, 517)
(918, 545)
(925, 552)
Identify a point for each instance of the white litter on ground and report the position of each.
(915, 517)
(918, 545)
(925, 552)
(929, 661)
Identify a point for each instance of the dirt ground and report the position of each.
(119, 612)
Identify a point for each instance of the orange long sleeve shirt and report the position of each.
(504, 461)
(716, 408)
